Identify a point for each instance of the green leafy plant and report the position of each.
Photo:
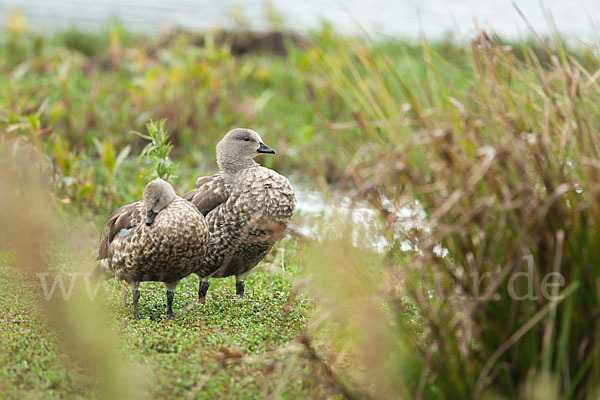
(157, 151)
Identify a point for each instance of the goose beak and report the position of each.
(150, 215)
(263, 148)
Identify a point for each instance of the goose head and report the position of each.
(237, 149)
(157, 195)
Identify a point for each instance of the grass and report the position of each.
(220, 348)
(501, 170)
(70, 98)
(32, 362)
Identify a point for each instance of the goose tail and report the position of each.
(102, 272)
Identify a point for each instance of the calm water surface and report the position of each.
(576, 19)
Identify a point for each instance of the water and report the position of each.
(576, 19)
(315, 214)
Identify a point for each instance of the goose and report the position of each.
(161, 238)
(247, 208)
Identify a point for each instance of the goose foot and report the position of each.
(170, 296)
(136, 298)
(239, 288)
(202, 290)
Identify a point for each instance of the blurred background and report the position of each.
(406, 18)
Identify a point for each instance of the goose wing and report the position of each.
(121, 220)
(210, 192)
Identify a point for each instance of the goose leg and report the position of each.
(202, 290)
(239, 283)
(136, 297)
(239, 288)
(170, 296)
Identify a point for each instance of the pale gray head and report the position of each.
(237, 149)
(157, 195)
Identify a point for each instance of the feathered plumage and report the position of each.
(162, 238)
(247, 208)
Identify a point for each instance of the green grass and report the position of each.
(190, 354)
(32, 364)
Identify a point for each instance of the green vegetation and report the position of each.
(490, 147)
(505, 172)
(157, 151)
(222, 348)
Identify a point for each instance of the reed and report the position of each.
(499, 163)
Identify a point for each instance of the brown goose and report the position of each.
(161, 238)
(247, 208)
